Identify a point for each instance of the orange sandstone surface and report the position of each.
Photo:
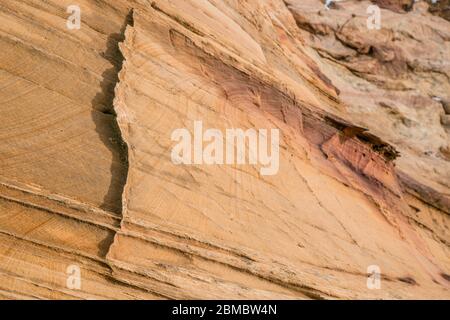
(87, 179)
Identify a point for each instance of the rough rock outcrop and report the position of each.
(87, 178)
(394, 81)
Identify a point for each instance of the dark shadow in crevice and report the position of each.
(104, 117)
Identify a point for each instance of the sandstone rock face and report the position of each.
(87, 176)
(390, 83)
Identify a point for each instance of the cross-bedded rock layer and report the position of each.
(337, 205)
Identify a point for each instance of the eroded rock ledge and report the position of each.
(391, 82)
(220, 87)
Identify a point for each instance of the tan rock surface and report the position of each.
(335, 207)
(394, 81)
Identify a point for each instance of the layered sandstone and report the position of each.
(394, 81)
(87, 179)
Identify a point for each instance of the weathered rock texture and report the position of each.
(394, 81)
(86, 176)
